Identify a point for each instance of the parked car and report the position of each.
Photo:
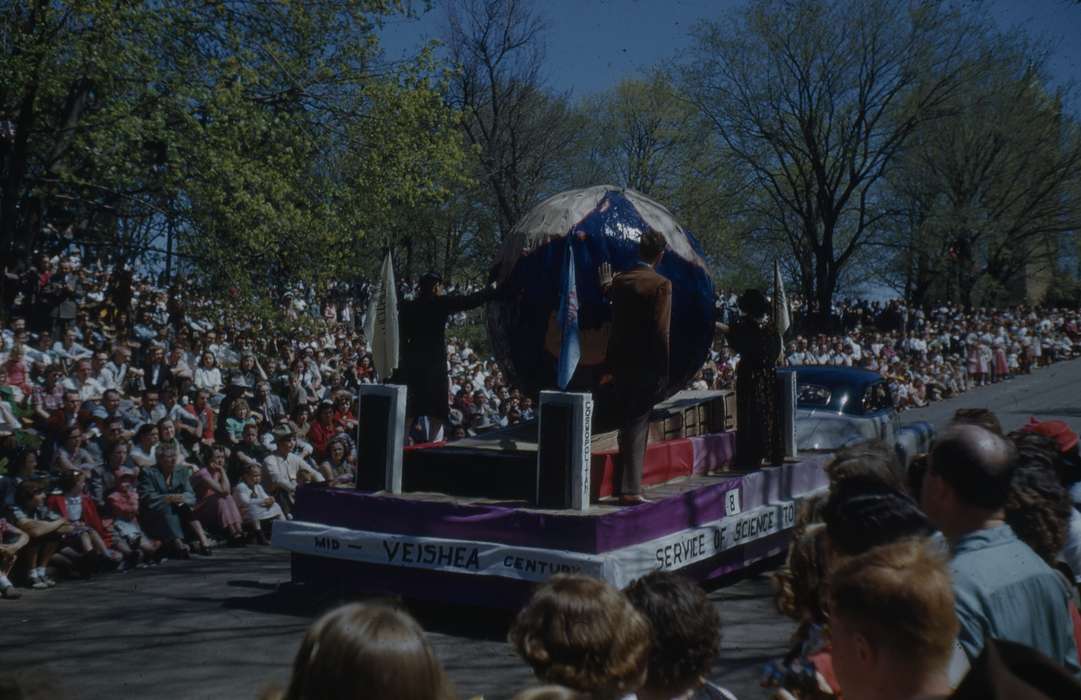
(841, 406)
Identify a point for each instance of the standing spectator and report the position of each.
(1002, 588)
(685, 639)
(366, 651)
(579, 632)
(893, 626)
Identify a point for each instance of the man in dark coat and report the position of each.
(638, 354)
(422, 324)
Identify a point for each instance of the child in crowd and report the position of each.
(87, 539)
(239, 418)
(128, 536)
(44, 527)
(258, 508)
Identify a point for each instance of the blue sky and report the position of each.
(593, 44)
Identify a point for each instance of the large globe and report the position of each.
(604, 224)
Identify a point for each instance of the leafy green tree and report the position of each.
(989, 195)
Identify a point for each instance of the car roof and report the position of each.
(831, 374)
(841, 381)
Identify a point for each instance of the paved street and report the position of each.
(226, 627)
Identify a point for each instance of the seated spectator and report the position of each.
(215, 507)
(18, 373)
(156, 373)
(893, 625)
(323, 430)
(43, 526)
(581, 633)
(142, 448)
(128, 536)
(1002, 588)
(200, 409)
(87, 538)
(267, 406)
(256, 508)
(83, 384)
(148, 411)
(186, 424)
(685, 635)
(366, 651)
(285, 470)
(208, 375)
(70, 454)
(65, 417)
(338, 469)
(48, 398)
(240, 416)
(250, 452)
(166, 500)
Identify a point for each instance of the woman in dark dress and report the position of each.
(754, 337)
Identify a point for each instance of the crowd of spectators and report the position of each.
(142, 423)
(952, 579)
(925, 355)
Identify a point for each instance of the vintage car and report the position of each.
(841, 406)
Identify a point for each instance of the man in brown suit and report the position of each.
(638, 354)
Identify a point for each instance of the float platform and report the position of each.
(491, 551)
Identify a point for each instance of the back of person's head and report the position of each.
(651, 244)
(1039, 506)
(802, 584)
(976, 463)
(360, 650)
(977, 416)
(862, 513)
(550, 692)
(868, 460)
(686, 631)
(892, 618)
(581, 633)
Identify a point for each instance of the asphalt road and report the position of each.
(228, 626)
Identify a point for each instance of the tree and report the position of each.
(989, 194)
(522, 133)
(814, 99)
(269, 137)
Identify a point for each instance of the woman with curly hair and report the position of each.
(581, 633)
(685, 640)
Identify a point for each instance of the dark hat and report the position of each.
(282, 432)
(753, 303)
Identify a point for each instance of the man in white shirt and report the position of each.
(83, 383)
(285, 471)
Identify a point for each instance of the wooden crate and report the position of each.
(722, 412)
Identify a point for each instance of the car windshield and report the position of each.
(813, 395)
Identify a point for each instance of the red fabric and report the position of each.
(319, 435)
(664, 461)
(208, 415)
(823, 663)
(1075, 616)
(90, 514)
(1055, 429)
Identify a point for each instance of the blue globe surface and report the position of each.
(604, 223)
